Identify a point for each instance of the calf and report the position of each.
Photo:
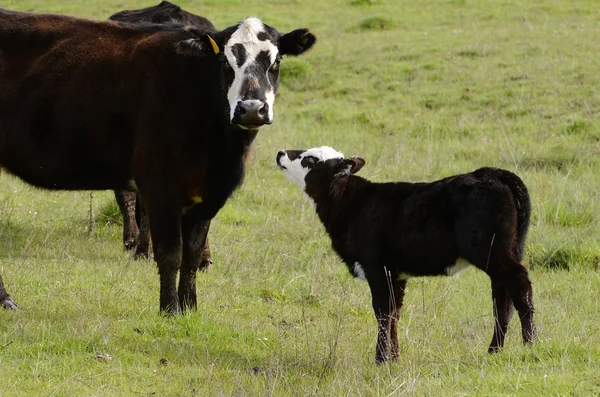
(165, 108)
(136, 233)
(387, 233)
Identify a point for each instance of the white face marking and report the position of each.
(270, 101)
(359, 271)
(246, 35)
(295, 172)
(460, 265)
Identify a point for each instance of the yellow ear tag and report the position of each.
(213, 44)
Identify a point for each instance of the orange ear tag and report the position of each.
(213, 44)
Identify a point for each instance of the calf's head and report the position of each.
(315, 170)
(250, 53)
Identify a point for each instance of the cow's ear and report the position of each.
(199, 46)
(296, 42)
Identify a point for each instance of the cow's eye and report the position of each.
(275, 66)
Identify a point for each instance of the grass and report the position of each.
(421, 90)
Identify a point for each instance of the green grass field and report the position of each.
(421, 90)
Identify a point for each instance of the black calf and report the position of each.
(390, 232)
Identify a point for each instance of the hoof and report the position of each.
(9, 304)
(130, 244)
(204, 265)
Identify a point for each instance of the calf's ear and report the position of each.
(203, 45)
(296, 42)
(349, 166)
(357, 163)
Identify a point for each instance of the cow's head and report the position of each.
(250, 53)
(313, 170)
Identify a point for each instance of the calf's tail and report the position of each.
(523, 204)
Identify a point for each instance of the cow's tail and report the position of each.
(523, 204)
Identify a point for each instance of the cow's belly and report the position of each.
(62, 169)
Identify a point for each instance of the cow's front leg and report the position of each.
(164, 214)
(206, 259)
(5, 299)
(194, 233)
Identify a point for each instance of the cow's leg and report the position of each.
(164, 213)
(194, 232)
(206, 259)
(144, 244)
(5, 299)
(503, 311)
(127, 204)
(399, 287)
(521, 292)
(382, 305)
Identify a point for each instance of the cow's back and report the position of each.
(163, 13)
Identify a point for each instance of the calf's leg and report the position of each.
(521, 291)
(381, 294)
(5, 299)
(503, 311)
(511, 286)
(399, 288)
(194, 232)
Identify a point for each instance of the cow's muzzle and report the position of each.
(251, 114)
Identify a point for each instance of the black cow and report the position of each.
(387, 233)
(136, 233)
(169, 109)
(162, 13)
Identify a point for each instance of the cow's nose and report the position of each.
(251, 113)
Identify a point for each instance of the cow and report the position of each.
(136, 234)
(390, 232)
(164, 109)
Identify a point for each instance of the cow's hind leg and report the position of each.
(503, 311)
(5, 299)
(127, 204)
(144, 243)
(194, 232)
